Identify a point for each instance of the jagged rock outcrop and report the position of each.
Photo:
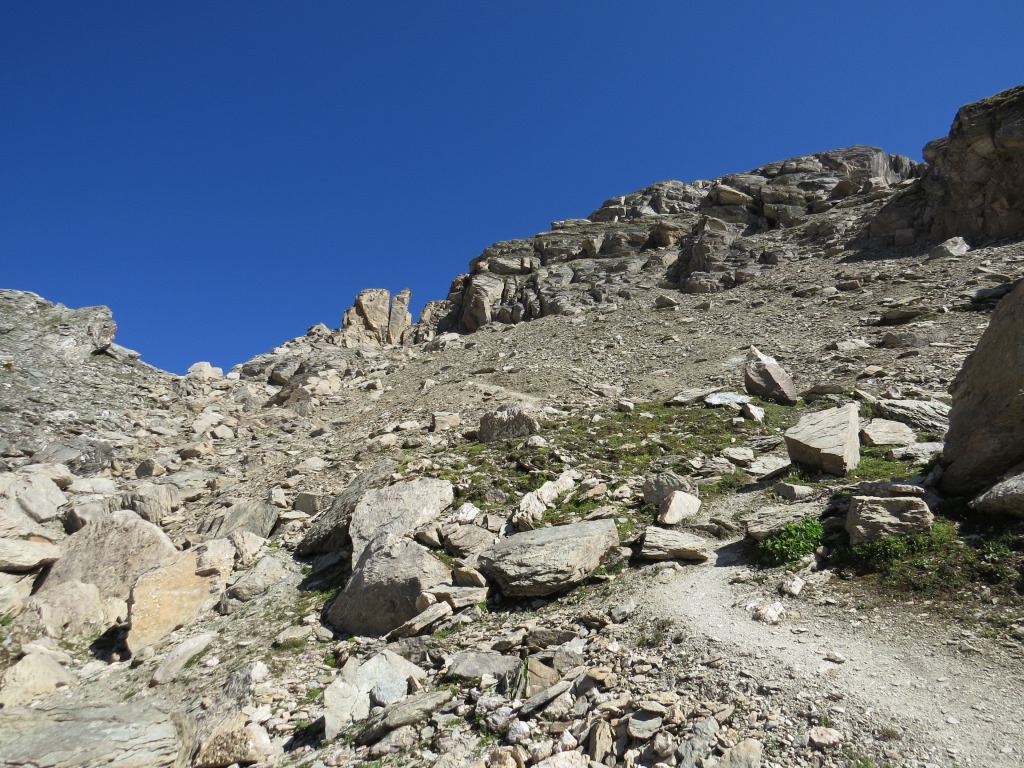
(974, 183)
(986, 422)
(377, 318)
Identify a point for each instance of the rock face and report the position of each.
(548, 560)
(134, 735)
(986, 423)
(377, 319)
(974, 184)
(385, 583)
(73, 334)
(826, 440)
(872, 518)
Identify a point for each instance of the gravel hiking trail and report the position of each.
(957, 699)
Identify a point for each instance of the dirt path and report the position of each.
(957, 702)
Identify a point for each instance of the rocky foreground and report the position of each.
(615, 501)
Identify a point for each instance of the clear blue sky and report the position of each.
(225, 174)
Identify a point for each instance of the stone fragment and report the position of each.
(422, 621)
(659, 486)
(746, 754)
(793, 492)
(100, 735)
(329, 532)
(166, 598)
(679, 506)
(548, 560)
(35, 675)
(234, 744)
(253, 516)
(18, 555)
(953, 248)
(176, 659)
(1005, 497)
(385, 583)
(28, 500)
(70, 608)
(925, 415)
(152, 501)
(265, 574)
(765, 378)
(824, 738)
(475, 665)
(406, 712)
(510, 421)
(826, 440)
(663, 544)
(215, 557)
(872, 518)
(886, 432)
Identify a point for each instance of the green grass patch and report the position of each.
(792, 542)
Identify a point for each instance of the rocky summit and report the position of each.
(728, 473)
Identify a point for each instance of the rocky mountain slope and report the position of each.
(667, 486)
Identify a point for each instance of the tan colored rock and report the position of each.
(662, 544)
(873, 517)
(35, 675)
(18, 555)
(886, 432)
(677, 507)
(165, 599)
(111, 554)
(826, 440)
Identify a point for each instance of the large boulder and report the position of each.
(111, 553)
(1006, 497)
(827, 440)
(548, 560)
(167, 598)
(986, 423)
(257, 517)
(386, 581)
(397, 509)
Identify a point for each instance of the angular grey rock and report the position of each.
(927, 415)
(111, 554)
(510, 421)
(1005, 497)
(872, 518)
(986, 427)
(383, 678)
(952, 248)
(179, 656)
(70, 608)
(826, 440)
(257, 517)
(422, 621)
(266, 573)
(397, 509)
(886, 432)
(132, 735)
(376, 319)
(765, 378)
(765, 521)
(548, 560)
(407, 712)
(917, 453)
(329, 532)
(662, 544)
(152, 501)
(474, 665)
(385, 584)
(344, 704)
(28, 501)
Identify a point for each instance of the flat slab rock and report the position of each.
(548, 560)
(826, 440)
(135, 735)
(665, 544)
(767, 520)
